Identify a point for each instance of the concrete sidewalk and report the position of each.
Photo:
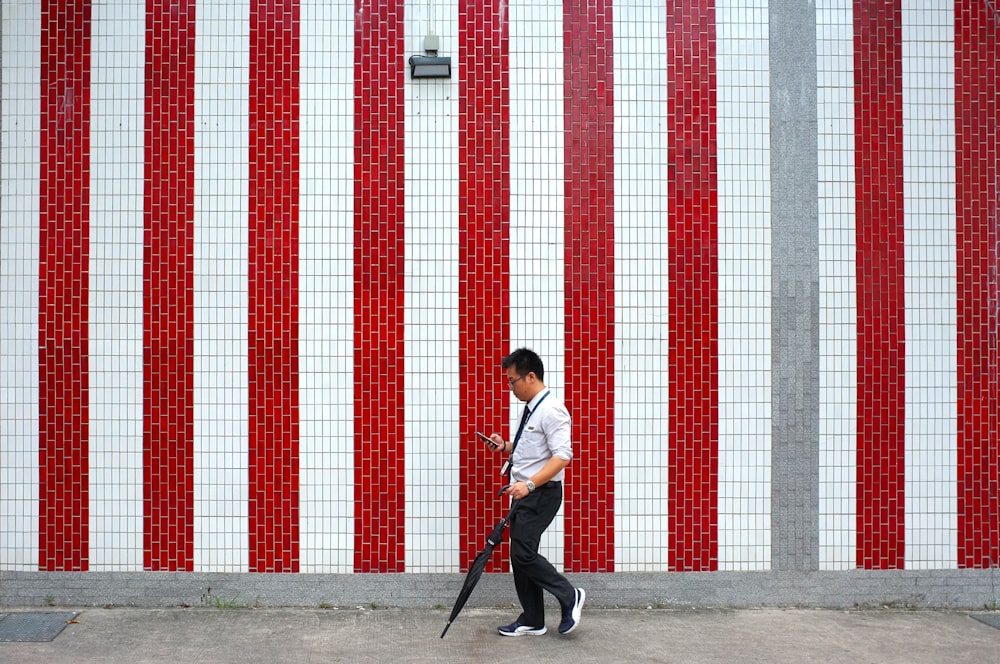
(363, 634)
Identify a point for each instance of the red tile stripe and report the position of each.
(692, 501)
(484, 275)
(168, 287)
(379, 251)
(589, 283)
(878, 109)
(64, 429)
(273, 332)
(977, 88)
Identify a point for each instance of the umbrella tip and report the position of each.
(445, 630)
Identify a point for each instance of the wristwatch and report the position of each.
(530, 485)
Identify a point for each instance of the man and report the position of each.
(540, 451)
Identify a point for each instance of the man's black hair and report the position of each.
(525, 361)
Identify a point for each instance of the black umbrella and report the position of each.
(478, 565)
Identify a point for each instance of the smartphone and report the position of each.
(486, 439)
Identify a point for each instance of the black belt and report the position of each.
(549, 485)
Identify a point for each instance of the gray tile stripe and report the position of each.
(795, 288)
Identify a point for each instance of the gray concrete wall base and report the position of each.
(917, 589)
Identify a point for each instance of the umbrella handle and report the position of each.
(513, 503)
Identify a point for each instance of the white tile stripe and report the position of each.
(537, 292)
(19, 234)
(642, 333)
(744, 293)
(116, 287)
(931, 458)
(838, 284)
(326, 289)
(434, 445)
(221, 396)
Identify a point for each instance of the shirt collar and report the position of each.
(536, 399)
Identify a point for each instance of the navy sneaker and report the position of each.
(517, 629)
(571, 614)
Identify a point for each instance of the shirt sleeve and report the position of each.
(559, 432)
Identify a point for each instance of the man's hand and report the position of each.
(517, 490)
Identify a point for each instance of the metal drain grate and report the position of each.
(43, 626)
(991, 619)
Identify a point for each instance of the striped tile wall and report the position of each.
(257, 282)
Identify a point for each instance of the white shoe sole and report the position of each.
(524, 632)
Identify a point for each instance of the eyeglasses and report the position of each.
(513, 381)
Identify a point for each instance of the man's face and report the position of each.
(519, 384)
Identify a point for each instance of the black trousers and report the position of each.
(532, 572)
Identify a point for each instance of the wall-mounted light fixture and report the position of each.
(430, 65)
